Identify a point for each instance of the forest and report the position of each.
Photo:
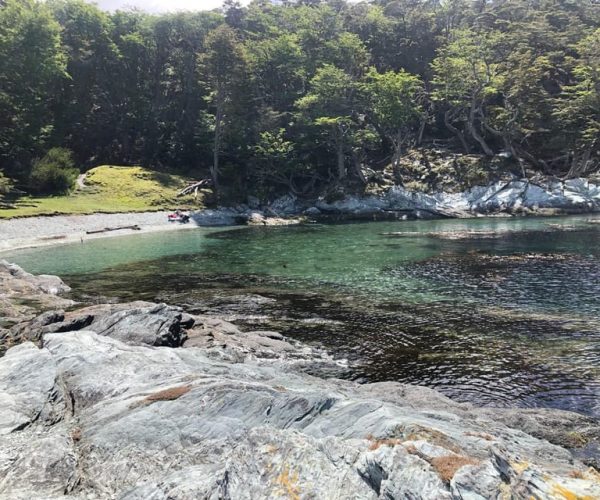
(288, 96)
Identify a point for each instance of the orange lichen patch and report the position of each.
(519, 467)
(447, 466)
(593, 474)
(288, 484)
(76, 434)
(384, 442)
(433, 436)
(559, 491)
(412, 449)
(576, 439)
(167, 395)
(481, 435)
(377, 443)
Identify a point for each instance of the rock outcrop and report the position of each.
(230, 416)
(24, 296)
(511, 196)
(143, 400)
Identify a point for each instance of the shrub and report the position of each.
(5, 184)
(55, 173)
(448, 465)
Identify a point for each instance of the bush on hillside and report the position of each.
(5, 184)
(55, 173)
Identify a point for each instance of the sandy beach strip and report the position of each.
(28, 232)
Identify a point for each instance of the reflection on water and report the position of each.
(512, 319)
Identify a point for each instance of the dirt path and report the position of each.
(81, 181)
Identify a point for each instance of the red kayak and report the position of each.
(178, 217)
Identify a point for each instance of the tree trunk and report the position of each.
(508, 144)
(397, 142)
(455, 131)
(580, 164)
(421, 132)
(214, 171)
(341, 161)
(357, 170)
(473, 131)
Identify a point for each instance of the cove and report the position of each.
(502, 312)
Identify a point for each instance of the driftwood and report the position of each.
(57, 237)
(194, 187)
(107, 229)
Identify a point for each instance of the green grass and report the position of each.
(109, 189)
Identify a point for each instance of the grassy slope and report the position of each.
(110, 189)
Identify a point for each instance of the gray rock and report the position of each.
(312, 212)
(135, 323)
(393, 472)
(253, 202)
(476, 482)
(513, 196)
(157, 325)
(45, 283)
(29, 391)
(37, 466)
(219, 217)
(226, 341)
(284, 205)
(24, 296)
(252, 218)
(136, 421)
(33, 330)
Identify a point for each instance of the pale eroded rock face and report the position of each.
(94, 417)
(24, 296)
(502, 196)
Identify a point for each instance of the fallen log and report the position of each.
(135, 227)
(194, 187)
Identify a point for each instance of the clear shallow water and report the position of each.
(507, 314)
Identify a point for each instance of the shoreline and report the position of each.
(513, 198)
(51, 230)
(54, 230)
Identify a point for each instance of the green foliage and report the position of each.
(222, 69)
(111, 189)
(330, 104)
(5, 184)
(54, 173)
(579, 108)
(275, 160)
(330, 93)
(272, 146)
(32, 60)
(395, 104)
(343, 85)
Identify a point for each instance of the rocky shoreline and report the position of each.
(542, 196)
(143, 400)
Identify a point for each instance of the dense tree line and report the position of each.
(285, 95)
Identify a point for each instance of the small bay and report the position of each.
(502, 312)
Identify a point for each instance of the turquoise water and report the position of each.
(507, 313)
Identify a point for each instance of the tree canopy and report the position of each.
(284, 95)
